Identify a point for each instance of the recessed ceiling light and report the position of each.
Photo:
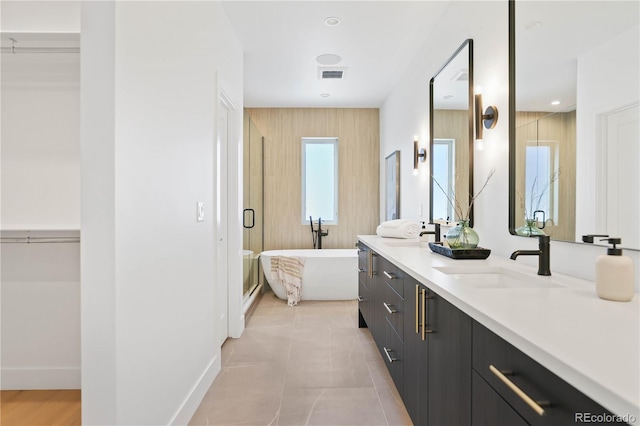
(533, 25)
(328, 59)
(555, 103)
(324, 95)
(332, 21)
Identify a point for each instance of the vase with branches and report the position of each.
(462, 236)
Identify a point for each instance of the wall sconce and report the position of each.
(419, 155)
(488, 119)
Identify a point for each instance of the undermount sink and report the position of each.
(482, 276)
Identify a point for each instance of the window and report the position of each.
(320, 179)
(541, 185)
(443, 173)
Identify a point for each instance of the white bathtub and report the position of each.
(328, 274)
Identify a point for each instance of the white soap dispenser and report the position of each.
(614, 274)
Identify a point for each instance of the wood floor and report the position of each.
(40, 407)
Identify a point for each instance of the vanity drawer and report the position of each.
(393, 354)
(488, 408)
(515, 376)
(393, 276)
(393, 309)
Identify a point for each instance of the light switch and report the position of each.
(200, 209)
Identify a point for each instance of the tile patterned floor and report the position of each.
(302, 365)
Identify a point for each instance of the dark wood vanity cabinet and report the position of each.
(393, 308)
(489, 409)
(415, 393)
(365, 285)
(424, 340)
(437, 376)
(448, 367)
(449, 363)
(504, 378)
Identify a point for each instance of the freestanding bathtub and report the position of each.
(328, 274)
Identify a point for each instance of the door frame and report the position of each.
(235, 314)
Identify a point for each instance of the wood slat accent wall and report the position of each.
(454, 124)
(560, 127)
(358, 133)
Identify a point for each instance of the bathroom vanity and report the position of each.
(489, 342)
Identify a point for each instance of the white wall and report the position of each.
(41, 16)
(406, 112)
(151, 72)
(40, 314)
(40, 155)
(622, 88)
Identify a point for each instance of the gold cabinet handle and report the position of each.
(388, 275)
(389, 308)
(389, 357)
(373, 271)
(424, 314)
(417, 307)
(535, 405)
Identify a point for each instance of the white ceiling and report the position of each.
(377, 40)
(282, 39)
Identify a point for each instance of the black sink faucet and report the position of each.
(436, 232)
(542, 253)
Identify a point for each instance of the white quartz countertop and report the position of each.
(592, 344)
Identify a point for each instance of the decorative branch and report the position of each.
(535, 197)
(473, 199)
(454, 202)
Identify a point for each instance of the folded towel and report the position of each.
(399, 228)
(288, 272)
(394, 223)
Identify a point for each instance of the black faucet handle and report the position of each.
(589, 237)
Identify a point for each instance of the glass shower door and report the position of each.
(253, 205)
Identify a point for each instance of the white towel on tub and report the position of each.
(399, 228)
(287, 270)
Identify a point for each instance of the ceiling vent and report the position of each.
(332, 73)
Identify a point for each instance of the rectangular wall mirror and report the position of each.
(392, 186)
(573, 120)
(451, 136)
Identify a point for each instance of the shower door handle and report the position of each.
(244, 218)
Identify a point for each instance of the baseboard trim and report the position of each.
(40, 378)
(251, 305)
(194, 398)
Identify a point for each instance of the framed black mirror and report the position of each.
(451, 137)
(573, 120)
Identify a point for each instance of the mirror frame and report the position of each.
(512, 130)
(512, 117)
(469, 43)
(392, 184)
